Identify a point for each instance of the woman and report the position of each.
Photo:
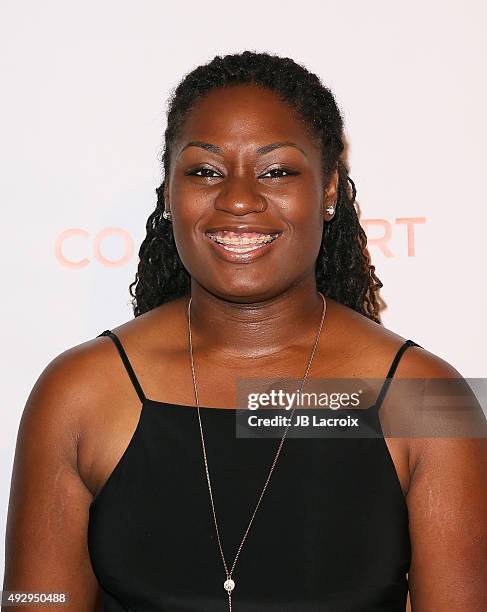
(126, 495)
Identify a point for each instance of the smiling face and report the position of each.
(247, 195)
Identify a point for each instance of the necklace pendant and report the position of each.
(229, 585)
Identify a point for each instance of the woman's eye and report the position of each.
(205, 173)
(277, 173)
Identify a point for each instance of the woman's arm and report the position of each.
(447, 501)
(46, 540)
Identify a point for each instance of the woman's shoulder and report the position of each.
(431, 429)
(373, 346)
(89, 366)
(86, 386)
(85, 374)
(71, 386)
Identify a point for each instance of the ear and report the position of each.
(331, 195)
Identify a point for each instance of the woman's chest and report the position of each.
(332, 515)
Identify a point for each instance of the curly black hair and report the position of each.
(343, 268)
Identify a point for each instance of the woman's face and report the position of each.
(246, 193)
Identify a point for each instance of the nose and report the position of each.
(240, 200)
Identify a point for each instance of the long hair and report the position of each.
(343, 268)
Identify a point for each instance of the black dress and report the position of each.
(331, 533)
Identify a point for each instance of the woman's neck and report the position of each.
(255, 329)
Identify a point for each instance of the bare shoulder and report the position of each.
(373, 346)
(86, 379)
(61, 403)
(78, 384)
(363, 348)
(69, 384)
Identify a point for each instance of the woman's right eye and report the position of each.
(203, 171)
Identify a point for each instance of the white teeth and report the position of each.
(241, 249)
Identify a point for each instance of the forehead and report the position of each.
(244, 113)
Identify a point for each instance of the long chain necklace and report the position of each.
(229, 583)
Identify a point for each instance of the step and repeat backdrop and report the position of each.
(84, 89)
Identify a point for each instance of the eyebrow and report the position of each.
(260, 151)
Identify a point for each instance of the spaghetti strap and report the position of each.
(392, 370)
(126, 362)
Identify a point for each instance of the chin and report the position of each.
(243, 293)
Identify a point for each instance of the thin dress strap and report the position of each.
(126, 362)
(392, 370)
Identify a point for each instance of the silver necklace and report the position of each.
(229, 583)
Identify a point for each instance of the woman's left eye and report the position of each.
(278, 170)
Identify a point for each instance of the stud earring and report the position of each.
(167, 215)
(330, 209)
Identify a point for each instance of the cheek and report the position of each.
(185, 238)
(306, 227)
(305, 243)
(190, 217)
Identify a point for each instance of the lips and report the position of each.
(241, 239)
(242, 243)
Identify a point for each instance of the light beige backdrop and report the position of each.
(82, 117)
